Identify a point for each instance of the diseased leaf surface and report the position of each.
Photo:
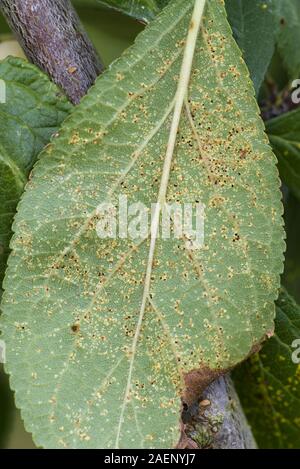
(254, 23)
(284, 135)
(33, 111)
(73, 300)
(269, 383)
(254, 28)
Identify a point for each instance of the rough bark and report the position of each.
(53, 38)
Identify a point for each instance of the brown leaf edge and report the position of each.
(196, 381)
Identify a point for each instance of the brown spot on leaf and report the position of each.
(75, 328)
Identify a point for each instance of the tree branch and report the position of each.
(220, 422)
(53, 38)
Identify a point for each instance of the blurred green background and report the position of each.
(111, 34)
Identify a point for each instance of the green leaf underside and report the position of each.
(72, 300)
(32, 113)
(254, 28)
(269, 383)
(284, 135)
(254, 23)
